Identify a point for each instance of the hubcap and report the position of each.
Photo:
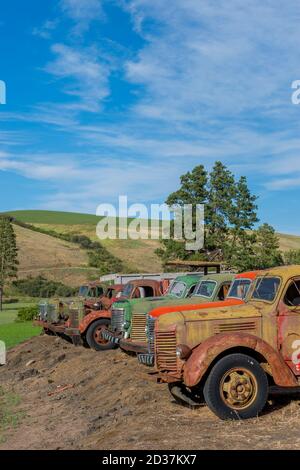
(98, 336)
(238, 388)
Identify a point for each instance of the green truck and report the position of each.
(182, 287)
(128, 321)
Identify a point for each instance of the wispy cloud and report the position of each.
(82, 12)
(86, 74)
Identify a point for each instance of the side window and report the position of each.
(292, 296)
(223, 291)
(148, 291)
(99, 291)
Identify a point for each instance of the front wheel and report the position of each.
(94, 336)
(236, 388)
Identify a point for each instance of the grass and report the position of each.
(54, 217)
(9, 416)
(13, 333)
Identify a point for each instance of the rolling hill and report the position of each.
(57, 259)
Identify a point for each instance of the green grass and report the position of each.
(13, 333)
(54, 217)
(10, 311)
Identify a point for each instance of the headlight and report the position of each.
(183, 351)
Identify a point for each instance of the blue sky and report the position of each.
(109, 97)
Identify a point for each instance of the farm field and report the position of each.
(11, 332)
(121, 406)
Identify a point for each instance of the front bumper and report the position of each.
(168, 377)
(146, 359)
(111, 337)
(129, 345)
(56, 328)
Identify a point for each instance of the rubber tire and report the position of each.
(211, 388)
(90, 336)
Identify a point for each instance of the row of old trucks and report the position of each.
(220, 338)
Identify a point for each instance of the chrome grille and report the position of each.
(48, 312)
(165, 346)
(138, 332)
(117, 319)
(150, 324)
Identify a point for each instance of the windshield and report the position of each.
(83, 291)
(266, 288)
(127, 290)
(177, 289)
(239, 288)
(205, 288)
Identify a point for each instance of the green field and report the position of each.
(54, 217)
(11, 332)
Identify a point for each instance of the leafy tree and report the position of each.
(267, 253)
(219, 207)
(292, 257)
(8, 254)
(230, 217)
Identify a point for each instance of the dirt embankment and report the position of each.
(75, 398)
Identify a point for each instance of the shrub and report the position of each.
(27, 313)
(41, 287)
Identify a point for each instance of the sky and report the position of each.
(121, 97)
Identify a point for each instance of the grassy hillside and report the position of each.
(54, 217)
(41, 254)
(63, 261)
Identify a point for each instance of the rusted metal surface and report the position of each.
(269, 326)
(204, 355)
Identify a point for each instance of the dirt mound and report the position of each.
(74, 398)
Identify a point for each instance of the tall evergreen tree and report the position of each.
(267, 253)
(221, 193)
(8, 254)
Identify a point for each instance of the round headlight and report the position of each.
(183, 351)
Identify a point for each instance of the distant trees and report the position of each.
(230, 218)
(8, 254)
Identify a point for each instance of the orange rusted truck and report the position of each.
(77, 321)
(236, 296)
(230, 356)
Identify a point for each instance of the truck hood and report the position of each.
(248, 310)
(166, 301)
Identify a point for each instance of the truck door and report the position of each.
(289, 325)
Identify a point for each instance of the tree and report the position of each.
(292, 257)
(8, 254)
(267, 253)
(230, 218)
(219, 207)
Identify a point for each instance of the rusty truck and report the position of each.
(230, 356)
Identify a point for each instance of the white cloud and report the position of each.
(82, 12)
(87, 76)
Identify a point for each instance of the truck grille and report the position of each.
(165, 345)
(48, 312)
(117, 319)
(150, 324)
(138, 332)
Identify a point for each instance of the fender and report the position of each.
(91, 317)
(204, 354)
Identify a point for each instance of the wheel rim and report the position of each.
(238, 388)
(98, 336)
